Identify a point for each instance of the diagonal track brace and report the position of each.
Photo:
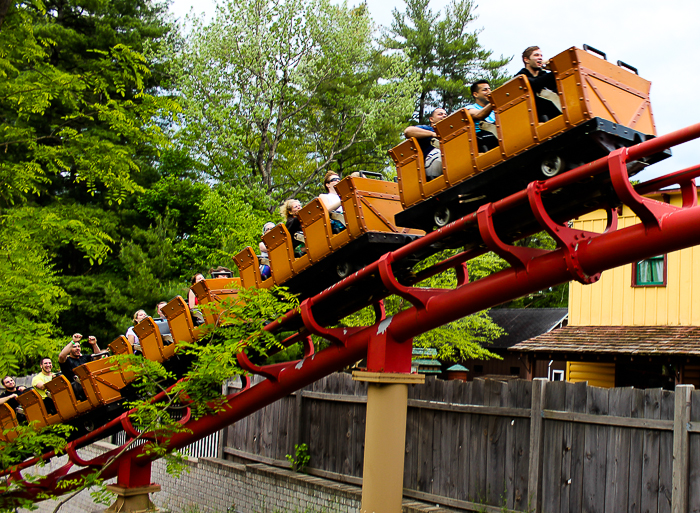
(417, 296)
(518, 257)
(651, 212)
(567, 238)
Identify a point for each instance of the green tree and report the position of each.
(231, 219)
(277, 91)
(370, 149)
(444, 53)
(553, 297)
(78, 133)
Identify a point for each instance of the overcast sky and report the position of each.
(660, 39)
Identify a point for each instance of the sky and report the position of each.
(659, 38)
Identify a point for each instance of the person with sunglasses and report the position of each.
(331, 200)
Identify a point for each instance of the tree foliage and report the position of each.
(443, 51)
(276, 91)
(490, 263)
(78, 131)
(552, 297)
(73, 104)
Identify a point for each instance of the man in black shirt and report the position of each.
(10, 394)
(539, 79)
(71, 357)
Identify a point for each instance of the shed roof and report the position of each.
(629, 340)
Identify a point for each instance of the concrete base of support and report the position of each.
(385, 438)
(132, 500)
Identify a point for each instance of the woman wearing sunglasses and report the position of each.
(331, 200)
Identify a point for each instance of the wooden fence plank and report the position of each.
(333, 423)
(574, 444)
(565, 453)
(554, 399)
(636, 461)
(596, 444)
(359, 431)
(296, 419)
(411, 465)
(348, 388)
(495, 457)
(666, 454)
(694, 456)
(439, 435)
(536, 440)
(283, 429)
(609, 420)
(424, 437)
(465, 454)
(252, 440)
(650, 471)
(315, 431)
(451, 446)
(239, 439)
(681, 418)
(269, 420)
(509, 447)
(617, 467)
(338, 429)
(521, 426)
(477, 457)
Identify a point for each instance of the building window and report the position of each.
(557, 375)
(649, 272)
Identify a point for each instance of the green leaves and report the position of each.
(276, 92)
(78, 128)
(31, 298)
(466, 338)
(76, 122)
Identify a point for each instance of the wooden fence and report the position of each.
(501, 446)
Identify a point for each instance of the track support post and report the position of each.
(388, 375)
(133, 488)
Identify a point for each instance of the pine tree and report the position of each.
(444, 53)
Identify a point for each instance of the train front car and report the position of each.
(603, 107)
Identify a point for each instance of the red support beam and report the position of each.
(132, 474)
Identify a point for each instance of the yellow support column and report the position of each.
(385, 439)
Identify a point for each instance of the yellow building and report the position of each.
(639, 325)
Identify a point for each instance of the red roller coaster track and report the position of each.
(387, 344)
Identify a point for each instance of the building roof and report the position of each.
(628, 340)
(524, 323)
